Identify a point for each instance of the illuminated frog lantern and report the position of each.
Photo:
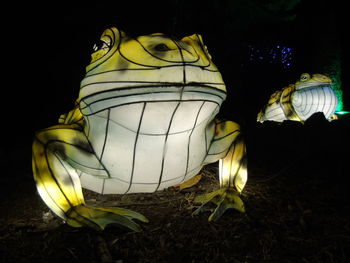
(299, 101)
(144, 121)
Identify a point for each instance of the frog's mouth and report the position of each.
(146, 110)
(114, 98)
(313, 85)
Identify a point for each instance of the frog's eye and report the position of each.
(100, 45)
(304, 77)
(101, 48)
(161, 47)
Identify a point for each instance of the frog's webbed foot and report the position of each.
(99, 217)
(223, 198)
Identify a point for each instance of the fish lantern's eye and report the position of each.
(161, 47)
(304, 77)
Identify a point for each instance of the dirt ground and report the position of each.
(296, 201)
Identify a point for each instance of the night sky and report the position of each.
(49, 46)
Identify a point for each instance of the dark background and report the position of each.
(47, 47)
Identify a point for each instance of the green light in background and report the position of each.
(336, 85)
(343, 112)
(332, 67)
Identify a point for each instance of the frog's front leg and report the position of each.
(227, 146)
(56, 150)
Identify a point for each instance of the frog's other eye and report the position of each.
(161, 47)
(304, 77)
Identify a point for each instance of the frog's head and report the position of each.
(312, 81)
(120, 61)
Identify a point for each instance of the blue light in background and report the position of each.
(277, 54)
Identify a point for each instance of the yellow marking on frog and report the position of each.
(73, 116)
(190, 182)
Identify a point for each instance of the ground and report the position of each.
(295, 199)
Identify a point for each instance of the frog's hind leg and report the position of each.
(227, 146)
(58, 183)
(287, 105)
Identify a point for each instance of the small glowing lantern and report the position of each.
(144, 121)
(299, 101)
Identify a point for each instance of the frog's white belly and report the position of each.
(149, 145)
(319, 99)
